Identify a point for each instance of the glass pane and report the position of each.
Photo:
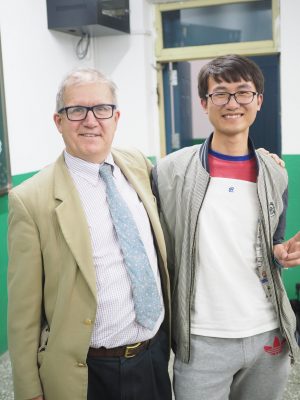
(228, 23)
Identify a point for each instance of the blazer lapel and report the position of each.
(141, 186)
(73, 223)
(137, 182)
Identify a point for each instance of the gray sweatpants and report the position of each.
(253, 368)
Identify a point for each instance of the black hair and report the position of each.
(230, 68)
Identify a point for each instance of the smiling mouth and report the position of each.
(89, 134)
(232, 116)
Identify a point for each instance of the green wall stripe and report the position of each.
(292, 162)
(3, 261)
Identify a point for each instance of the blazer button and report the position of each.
(79, 364)
(88, 321)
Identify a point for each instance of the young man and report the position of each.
(80, 324)
(223, 209)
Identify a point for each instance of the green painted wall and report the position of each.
(3, 262)
(290, 277)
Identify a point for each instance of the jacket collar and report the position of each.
(203, 152)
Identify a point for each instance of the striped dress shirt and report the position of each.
(115, 323)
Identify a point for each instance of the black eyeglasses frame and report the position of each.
(232, 95)
(65, 109)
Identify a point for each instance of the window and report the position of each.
(203, 29)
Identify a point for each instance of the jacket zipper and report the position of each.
(193, 272)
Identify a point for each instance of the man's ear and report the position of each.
(260, 99)
(203, 103)
(117, 115)
(57, 120)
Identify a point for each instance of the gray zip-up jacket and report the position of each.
(180, 181)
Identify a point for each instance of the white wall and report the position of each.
(130, 61)
(201, 125)
(36, 59)
(290, 75)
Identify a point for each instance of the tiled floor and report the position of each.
(292, 391)
(5, 378)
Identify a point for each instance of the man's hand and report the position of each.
(275, 157)
(288, 253)
(38, 398)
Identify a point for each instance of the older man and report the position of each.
(88, 286)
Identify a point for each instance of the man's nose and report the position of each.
(90, 118)
(232, 102)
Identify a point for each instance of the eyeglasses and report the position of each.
(79, 113)
(241, 97)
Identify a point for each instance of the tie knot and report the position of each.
(105, 170)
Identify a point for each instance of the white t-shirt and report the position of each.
(229, 300)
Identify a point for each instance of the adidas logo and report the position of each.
(276, 348)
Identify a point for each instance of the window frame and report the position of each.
(213, 50)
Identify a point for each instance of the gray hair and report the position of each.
(81, 76)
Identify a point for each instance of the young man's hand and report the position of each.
(288, 253)
(273, 155)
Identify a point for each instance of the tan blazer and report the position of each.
(51, 278)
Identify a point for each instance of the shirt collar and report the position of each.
(204, 149)
(85, 169)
